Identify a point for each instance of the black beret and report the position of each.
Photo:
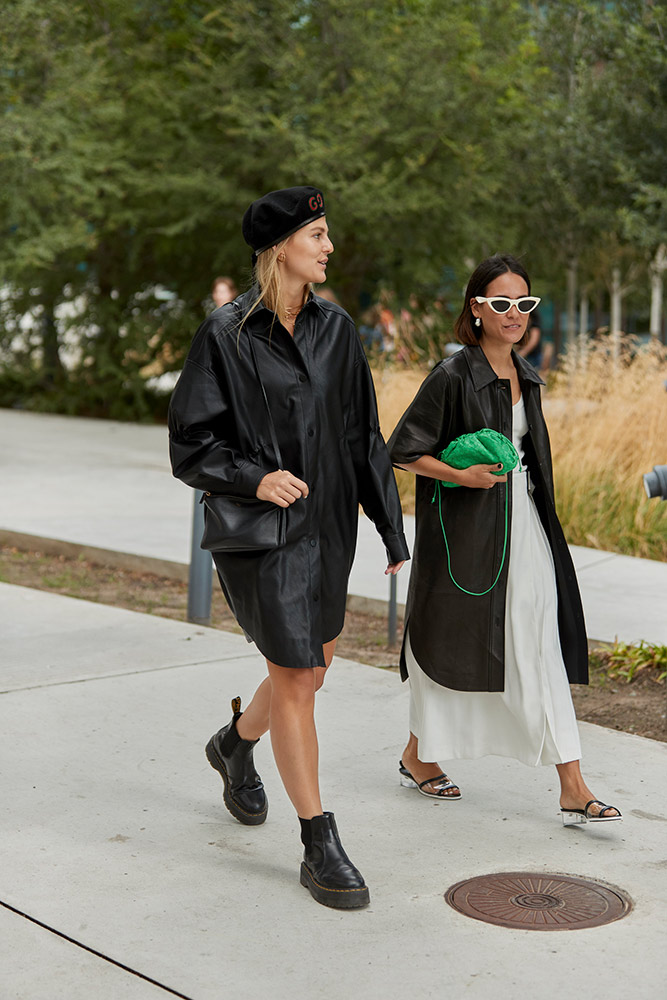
(278, 214)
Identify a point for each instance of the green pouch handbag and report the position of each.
(483, 447)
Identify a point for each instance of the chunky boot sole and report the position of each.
(339, 899)
(247, 818)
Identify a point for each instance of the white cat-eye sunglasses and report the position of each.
(499, 304)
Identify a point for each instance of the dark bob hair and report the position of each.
(491, 268)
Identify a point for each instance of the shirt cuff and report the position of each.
(397, 548)
(248, 477)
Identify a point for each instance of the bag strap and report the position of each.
(472, 593)
(272, 429)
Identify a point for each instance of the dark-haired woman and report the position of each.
(489, 664)
(290, 600)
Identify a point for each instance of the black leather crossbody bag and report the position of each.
(245, 524)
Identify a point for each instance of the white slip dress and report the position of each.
(533, 719)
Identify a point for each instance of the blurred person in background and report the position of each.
(531, 346)
(223, 290)
(328, 294)
(371, 331)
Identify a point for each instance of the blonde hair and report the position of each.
(268, 277)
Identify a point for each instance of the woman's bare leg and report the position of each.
(285, 702)
(293, 733)
(294, 738)
(255, 719)
(574, 792)
(422, 771)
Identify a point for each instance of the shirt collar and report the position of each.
(483, 374)
(246, 300)
(526, 370)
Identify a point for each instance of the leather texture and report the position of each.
(240, 524)
(459, 640)
(327, 871)
(243, 791)
(289, 600)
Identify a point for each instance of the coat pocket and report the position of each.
(241, 524)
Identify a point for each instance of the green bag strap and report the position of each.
(472, 593)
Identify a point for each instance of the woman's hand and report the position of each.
(480, 477)
(393, 568)
(281, 488)
(475, 476)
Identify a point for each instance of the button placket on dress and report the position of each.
(504, 417)
(304, 330)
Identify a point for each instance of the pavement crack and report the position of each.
(126, 673)
(93, 951)
(596, 563)
(640, 814)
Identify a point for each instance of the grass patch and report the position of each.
(630, 662)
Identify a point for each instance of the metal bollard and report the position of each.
(655, 483)
(392, 620)
(200, 579)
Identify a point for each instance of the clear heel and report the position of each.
(572, 818)
(407, 782)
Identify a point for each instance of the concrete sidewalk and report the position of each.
(125, 877)
(114, 835)
(107, 485)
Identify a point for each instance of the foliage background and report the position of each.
(133, 136)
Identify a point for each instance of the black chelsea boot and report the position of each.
(231, 757)
(326, 870)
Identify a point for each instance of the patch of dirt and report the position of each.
(637, 707)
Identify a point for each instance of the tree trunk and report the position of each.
(658, 265)
(583, 329)
(597, 312)
(558, 338)
(615, 312)
(570, 330)
(52, 366)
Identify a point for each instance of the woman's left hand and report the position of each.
(393, 568)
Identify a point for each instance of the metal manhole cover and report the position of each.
(538, 901)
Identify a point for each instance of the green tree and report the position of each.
(594, 139)
(132, 137)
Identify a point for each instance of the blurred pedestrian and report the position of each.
(327, 457)
(387, 305)
(328, 294)
(371, 331)
(223, 290)
(531, 346)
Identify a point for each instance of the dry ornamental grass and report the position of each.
(608, 424)
(607, 420)
(396, 388)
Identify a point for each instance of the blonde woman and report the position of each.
(289, 600)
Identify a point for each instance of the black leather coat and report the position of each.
(458, 640)
(289, 600)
